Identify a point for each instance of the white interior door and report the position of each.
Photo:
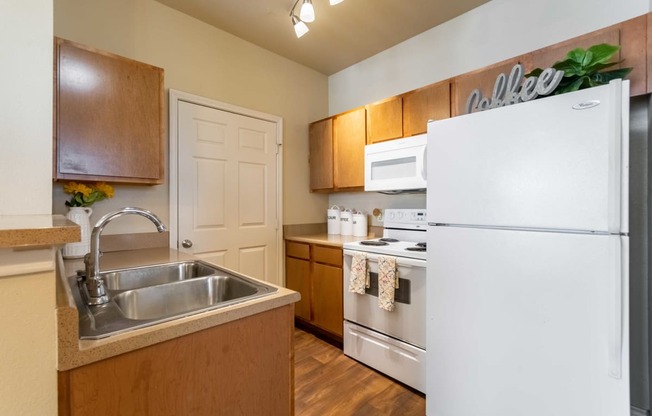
(227, 189)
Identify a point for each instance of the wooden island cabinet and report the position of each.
(315, 271)
(243, 367)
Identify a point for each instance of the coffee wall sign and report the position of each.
(512, 89)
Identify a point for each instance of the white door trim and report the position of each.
(174, 98)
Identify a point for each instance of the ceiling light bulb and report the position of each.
(307, 13)
(334, 2)
(300, 28)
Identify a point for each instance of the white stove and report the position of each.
(391, 342)
(404, 235)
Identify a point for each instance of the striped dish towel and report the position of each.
(387, 282)
(359, 279)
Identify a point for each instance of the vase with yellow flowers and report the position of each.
(79, 211)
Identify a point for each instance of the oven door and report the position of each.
(407, 322)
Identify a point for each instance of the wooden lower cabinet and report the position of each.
(297, 272)
(327, 297)
(315, 271)
(244, 367)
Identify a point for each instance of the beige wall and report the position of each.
(205, 61)
(26, 107)
(27, 321)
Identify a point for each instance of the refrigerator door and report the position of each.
(526, 323)
(560, 162)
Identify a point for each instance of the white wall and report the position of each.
(26, 107)
(495, 31)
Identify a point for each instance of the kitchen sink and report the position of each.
(145, 296)
(177, 298)
(138, 277)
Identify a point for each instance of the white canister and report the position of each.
(333, 219)
(360, 224)
(346, 222)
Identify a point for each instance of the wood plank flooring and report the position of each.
(329, 383)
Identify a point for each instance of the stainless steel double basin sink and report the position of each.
(148, 295)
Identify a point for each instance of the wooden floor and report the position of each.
(329, 383)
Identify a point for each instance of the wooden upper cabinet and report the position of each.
(108, 118)
(428, 103)
(630, 35)
(384, 120)
(349, 137)
(321, 154)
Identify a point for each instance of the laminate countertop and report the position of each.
(37, 230)
(335, 240)
(73, 352)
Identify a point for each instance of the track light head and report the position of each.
(300, 28)
(307, 13)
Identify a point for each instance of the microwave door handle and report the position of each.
(425, 162)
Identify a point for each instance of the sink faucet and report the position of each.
(94, 284)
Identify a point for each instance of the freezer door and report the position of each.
(556, 163)
(526, 323)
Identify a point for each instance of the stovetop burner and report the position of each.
(389, 240)
(421, 245)
(374, 243)
(415, 248)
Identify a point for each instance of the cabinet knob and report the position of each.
(186, 243)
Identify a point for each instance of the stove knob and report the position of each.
(400, 215)
(391, 215)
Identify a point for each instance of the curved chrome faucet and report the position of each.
(94, 284)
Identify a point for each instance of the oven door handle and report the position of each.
(400, 261)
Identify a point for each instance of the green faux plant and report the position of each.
(584, 68)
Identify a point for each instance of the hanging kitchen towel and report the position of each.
(387, 282)
(359, 279)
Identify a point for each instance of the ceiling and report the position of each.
(340, 36)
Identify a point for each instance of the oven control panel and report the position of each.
(405, 218)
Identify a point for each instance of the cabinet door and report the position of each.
(297, 278)
(385, 120)
(349, 135)
(321, 154)
(428, 103)
(327, 298)
(108, 117)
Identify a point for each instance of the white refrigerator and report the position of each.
(527, 242)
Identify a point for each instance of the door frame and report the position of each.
(174, 98)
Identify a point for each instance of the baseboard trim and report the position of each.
(635, 411)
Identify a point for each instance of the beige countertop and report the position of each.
(326, 239)
(73, 352)
(37, 230)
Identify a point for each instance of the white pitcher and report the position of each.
(80, 216)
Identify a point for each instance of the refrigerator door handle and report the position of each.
(616, 318)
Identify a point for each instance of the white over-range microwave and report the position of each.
(396, 166)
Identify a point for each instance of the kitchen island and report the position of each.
(233, 360)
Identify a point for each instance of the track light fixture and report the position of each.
(306, 15)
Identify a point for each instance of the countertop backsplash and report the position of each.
(368, 201)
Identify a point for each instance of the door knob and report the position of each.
(186, 243)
